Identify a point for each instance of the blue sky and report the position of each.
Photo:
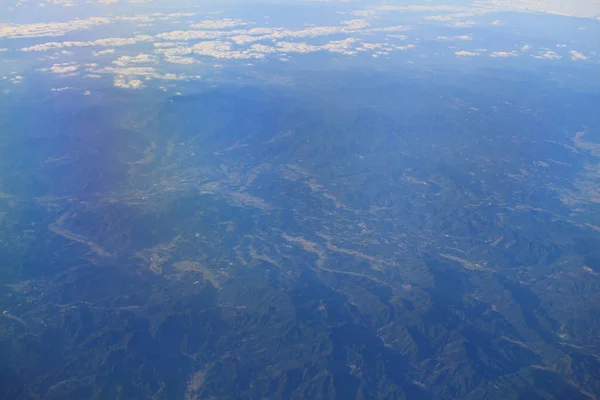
(136, 44)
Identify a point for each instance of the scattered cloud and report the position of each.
(464, 53)
(399, 37)
(50, 29)
(461, 37)
(103, 52)
(548, 55)
(12, 31)
(348, 46)
(135, 77)
(210, 48)
(190, 35)
(222, 39)
(463, 24)
(447, 17)
(219, 23)
(124, 82)
(125, 61)
(236, 39)
(245, 36)
(504, 54)
(107, 42)
(576, 55)
(145, 72)
(62, 68)
(180, 59)
(225, 50)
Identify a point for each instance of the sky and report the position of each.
(137, 43)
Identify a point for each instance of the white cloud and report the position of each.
(561, 45)
(181, 14)
(356, 23)
(180, 59)
(192, 35)
(219, 23)
(62, 68)
(576, 55)
(145, 72)
(134, 77)
(12, 31)
(345, 46)
(222, 39)
(110, 42)
(245, 36)
(220, 49)
(394, 28)
(103, 52)
(125, 61)
(317, 31)
(128, 83)
(64, 3)
(382, 49)
(297, 47)
(216, 39)
(526, 48)
(224, 49)
(374, 46)
(261, 48)
(445, 17)
(216, 49)
(242, 40)
(504, 54)
(62, 89)
(464, 53)
(106, 42)
(548, 55)
(461, 37)
(463, 24)
(399, 37)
